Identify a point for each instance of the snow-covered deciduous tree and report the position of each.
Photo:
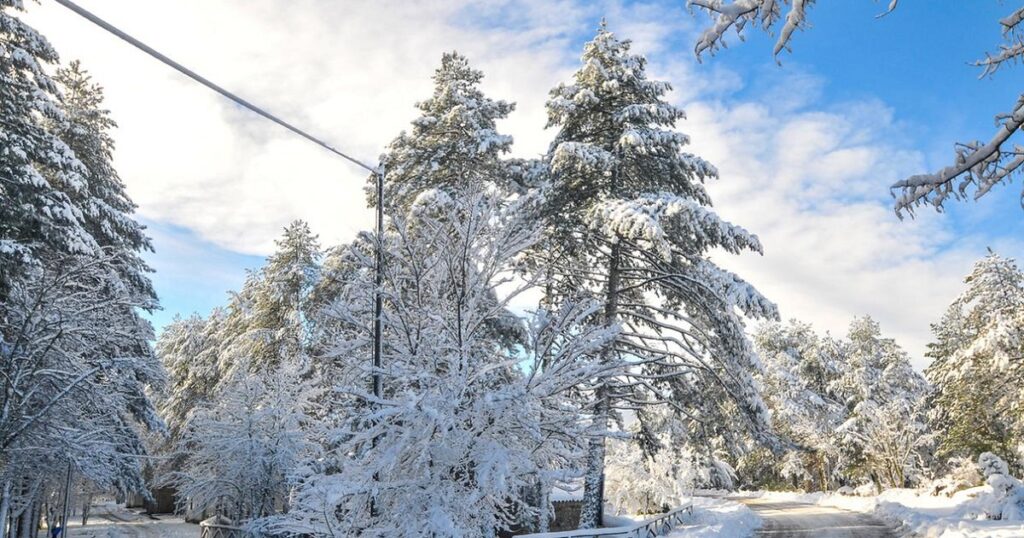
(978, 165)
(628, 222)
(977, 367)
(644, 479)
(240, 451)
(638, 484)
(76, 360)
(468, 422)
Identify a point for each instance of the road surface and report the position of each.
(798, 520)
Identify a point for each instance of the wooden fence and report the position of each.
(651, 528)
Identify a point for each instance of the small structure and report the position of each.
(567, 514)
(163, 501)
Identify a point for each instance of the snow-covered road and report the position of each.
(784, 519)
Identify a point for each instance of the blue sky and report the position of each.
(916, 61)
(807, 150)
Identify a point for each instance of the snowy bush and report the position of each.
(963, 473)
(867, 489)
(636, 484)
(1003, 499)
(639, 483)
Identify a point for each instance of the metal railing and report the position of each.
(651, 528)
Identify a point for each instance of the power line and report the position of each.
(206, 82)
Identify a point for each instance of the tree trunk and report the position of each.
(5, 507)
(26, 520)
(86, 505)
(593, 482)
(592, 513)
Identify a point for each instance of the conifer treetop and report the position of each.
(454, 144)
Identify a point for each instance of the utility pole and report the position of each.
(378, 308)
(378, 295)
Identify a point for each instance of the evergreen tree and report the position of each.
(40, 176)
(281, 305)
(977, 369)
(74, 347)
(454, 145)
(628, 221)
(192, 378)
(267, 322)
(106, 208)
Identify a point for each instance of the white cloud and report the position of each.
(811, 183)
(809, 179)
(350, 72)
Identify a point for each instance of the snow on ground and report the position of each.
(717, 517)
(924, 516)
(163, 528)
(109, 520)
(712, 517)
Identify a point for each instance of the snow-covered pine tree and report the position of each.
(106, 208)
(267, 322)
(72, 284)
(184, 350)
(39, 174)
(977, 369)
(885, 434)
(628, 221)
(280, 307)
(453, 145)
